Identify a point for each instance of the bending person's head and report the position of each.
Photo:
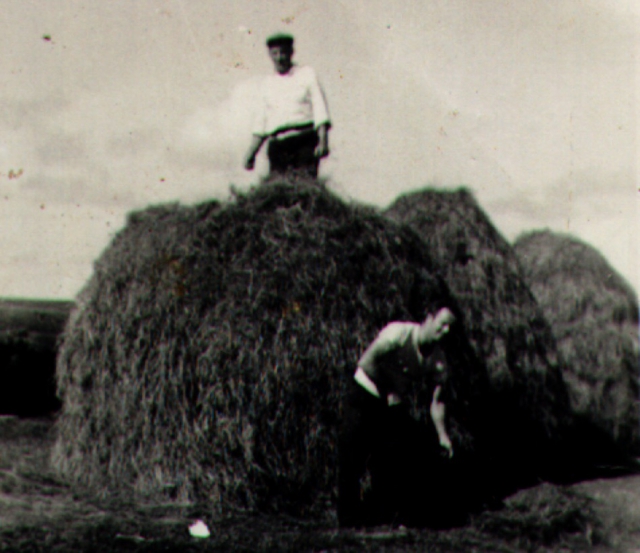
(444, 319)
(434, 327)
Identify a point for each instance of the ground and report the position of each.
(40, 513)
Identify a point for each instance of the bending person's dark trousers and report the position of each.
(395, 449)
(294, 155)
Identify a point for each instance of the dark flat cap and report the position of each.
(279, 39)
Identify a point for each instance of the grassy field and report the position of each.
(39, 513)
(40, 321)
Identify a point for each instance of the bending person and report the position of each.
(377, 432)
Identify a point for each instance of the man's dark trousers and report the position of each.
(294, 155)
(396, 450)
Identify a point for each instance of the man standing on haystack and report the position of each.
(292, 116)
(377, 430)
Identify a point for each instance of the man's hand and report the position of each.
(250, 163)
(321, 151)
(254, 148)
(445, 442)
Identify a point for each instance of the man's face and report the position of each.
(435, 327)
(281, 58)
(443, 320)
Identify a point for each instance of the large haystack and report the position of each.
(501, 317)
(208, 353)
(594, 315)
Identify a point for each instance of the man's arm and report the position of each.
(387, 339)
(321, 119)
(252, 152)
(437, 412)
(322, 149)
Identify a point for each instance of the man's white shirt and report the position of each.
(290, 100)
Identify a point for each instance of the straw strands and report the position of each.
(208, 354)
(501, 318)
(594, 316)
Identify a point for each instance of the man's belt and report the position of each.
(291, 130)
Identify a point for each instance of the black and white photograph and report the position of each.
(320, 276)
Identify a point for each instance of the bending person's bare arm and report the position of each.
(437, 412)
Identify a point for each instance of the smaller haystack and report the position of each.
(209, 353)
(593, 313)
(528, 405)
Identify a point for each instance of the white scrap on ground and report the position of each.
(199, 529)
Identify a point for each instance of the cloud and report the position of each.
(48, 250)
(128, 106)
(220, 134)
(30, 110)
(71, 188)
(596, 206)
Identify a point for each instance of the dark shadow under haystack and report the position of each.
(208, 354)
(527, 408)
(593, 313)
(29, 331)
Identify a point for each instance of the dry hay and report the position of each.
(540, 517)
(208, 354)
(594, 315)
(501, 318)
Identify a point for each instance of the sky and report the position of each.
(108, 107)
